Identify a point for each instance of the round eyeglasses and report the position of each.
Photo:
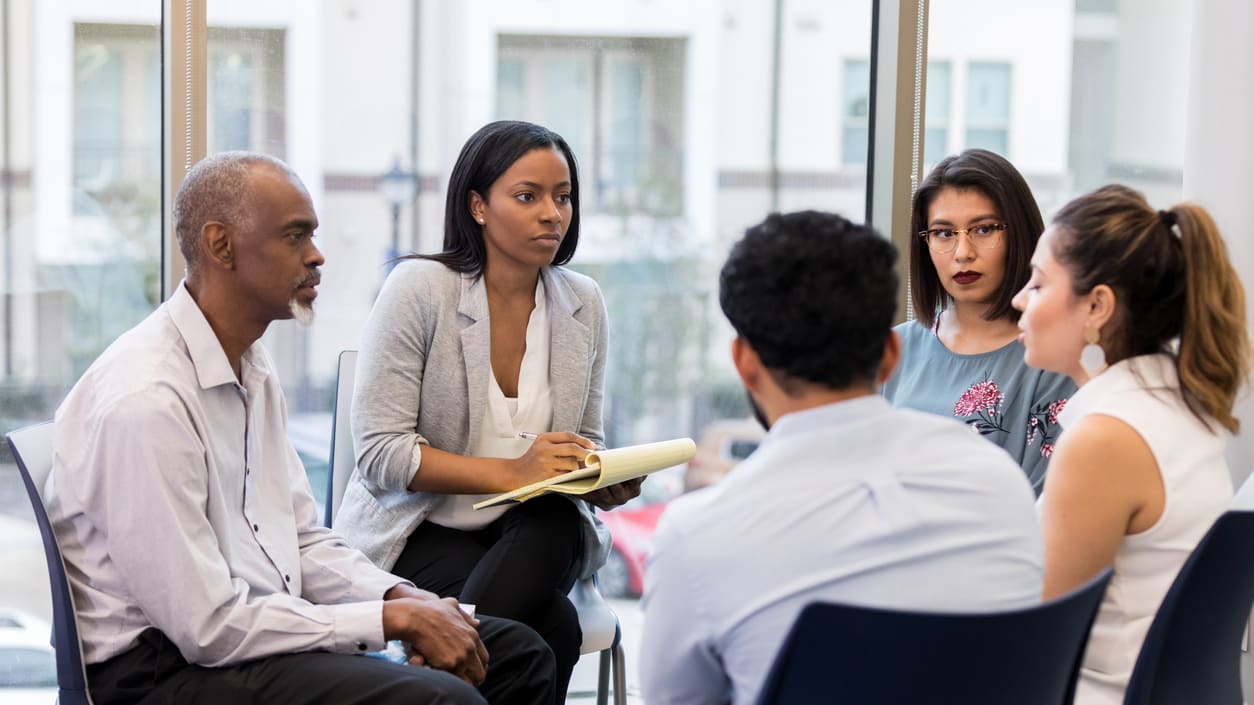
(944, 240)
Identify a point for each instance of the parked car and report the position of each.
(631, 528)
(723, 444)
(28, 667)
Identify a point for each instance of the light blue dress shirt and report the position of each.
(853, 502)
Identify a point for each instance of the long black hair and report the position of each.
(487, 155)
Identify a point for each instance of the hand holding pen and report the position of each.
(607, 497)
(550, 454)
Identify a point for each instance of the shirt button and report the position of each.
(256, 528)
(361, 646)
(287, 578)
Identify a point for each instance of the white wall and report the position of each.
(1219, 153)
(1150, 114)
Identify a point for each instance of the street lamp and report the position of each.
(398, 187)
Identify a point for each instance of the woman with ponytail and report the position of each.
(1144, 311)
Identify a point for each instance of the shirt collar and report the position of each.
(203, 346)
(828, 415)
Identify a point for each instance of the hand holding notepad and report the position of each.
(603, 468)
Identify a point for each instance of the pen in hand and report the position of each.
(528, 435)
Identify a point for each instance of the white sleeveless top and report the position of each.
(503, 419)
(1144, 392)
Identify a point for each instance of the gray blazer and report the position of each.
(422, 378)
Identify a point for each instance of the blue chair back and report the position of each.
(342, 459)
(848, 654)
(32, 449)
(1192, 652)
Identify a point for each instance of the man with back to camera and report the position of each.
(199, 568)
(846, 499)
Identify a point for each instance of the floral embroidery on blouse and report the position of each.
(983, 401)
(1043, 421)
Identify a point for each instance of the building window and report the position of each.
(936, 134)
(245, 92)
(117, 116)
(855, 109)
(988, 106)
(617, 102)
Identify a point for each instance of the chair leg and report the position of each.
(603, 678)
(620, 675)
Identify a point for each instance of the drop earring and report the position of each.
(1092, 357)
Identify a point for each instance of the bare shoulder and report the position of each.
(1102, 459)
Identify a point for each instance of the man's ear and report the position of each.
(892, 356)
(215, 241)
(748, 364)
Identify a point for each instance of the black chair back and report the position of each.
(1192, 652)
(848, 654)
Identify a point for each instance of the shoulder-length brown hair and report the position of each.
(990, 174)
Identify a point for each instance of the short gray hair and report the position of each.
(216, 189)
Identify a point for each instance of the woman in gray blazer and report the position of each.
(464, 354)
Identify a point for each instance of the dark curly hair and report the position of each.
(814, 295)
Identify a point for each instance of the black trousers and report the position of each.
(519, 567)
(154, 673)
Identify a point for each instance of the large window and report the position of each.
(80, 227)
(618, 102)
(690, 120)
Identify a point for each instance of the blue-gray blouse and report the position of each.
(995, 393)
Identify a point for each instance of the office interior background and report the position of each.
(690, 121)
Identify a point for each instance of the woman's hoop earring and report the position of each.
(1092, 357)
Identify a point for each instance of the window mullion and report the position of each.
(183, 60)
(895, 156)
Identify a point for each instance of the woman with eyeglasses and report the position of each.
(976, 226)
